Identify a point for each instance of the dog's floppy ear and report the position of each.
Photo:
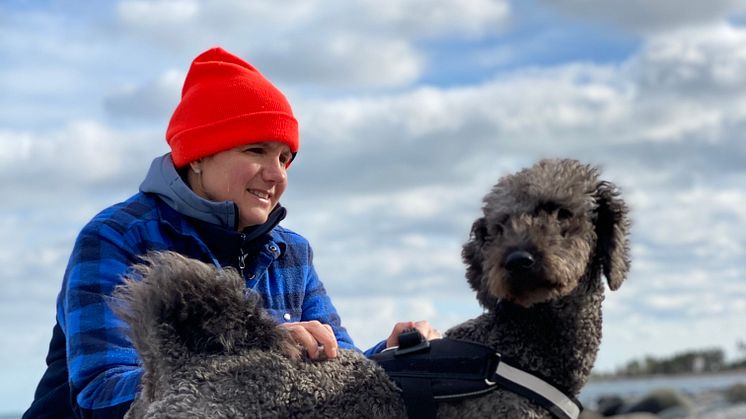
(176, 306)
(612, 229)
(474, 259)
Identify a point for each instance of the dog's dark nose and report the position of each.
(519, 260)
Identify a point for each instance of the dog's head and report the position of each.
(544, 229)
(178, 308)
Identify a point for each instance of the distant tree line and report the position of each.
(694, 361)
(708, 360)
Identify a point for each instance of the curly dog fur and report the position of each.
(535, 259)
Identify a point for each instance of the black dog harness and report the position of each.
(447, 369)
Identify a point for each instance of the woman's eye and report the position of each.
(254, 150)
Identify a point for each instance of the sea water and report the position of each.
(635, 387)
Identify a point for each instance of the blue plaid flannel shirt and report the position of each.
(102, 363)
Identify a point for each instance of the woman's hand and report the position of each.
(316, 338)
(423, 326)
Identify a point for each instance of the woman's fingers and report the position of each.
(316, 338)
(427, 330)
(331, 348)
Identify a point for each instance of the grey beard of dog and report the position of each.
(535, 259)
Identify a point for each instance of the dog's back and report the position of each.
(209, 350)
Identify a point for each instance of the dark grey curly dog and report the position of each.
(535, 260)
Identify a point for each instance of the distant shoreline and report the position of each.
(612, 377)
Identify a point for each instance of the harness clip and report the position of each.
(411, 340)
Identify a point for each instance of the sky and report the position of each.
(409, 111)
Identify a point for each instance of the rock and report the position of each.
(676, 412)
(658, 401)
(590, 414)
(737, 411)
(609, 405)
(736, 393)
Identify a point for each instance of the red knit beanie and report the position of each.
(226, 103)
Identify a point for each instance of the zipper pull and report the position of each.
(242, 256)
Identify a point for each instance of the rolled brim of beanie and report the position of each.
(206, 140)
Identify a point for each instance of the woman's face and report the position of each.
(253, 176)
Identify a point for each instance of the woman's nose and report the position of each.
(274, 171)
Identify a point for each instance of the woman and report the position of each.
(214, 197)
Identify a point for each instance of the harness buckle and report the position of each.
(492, 363)
(410, 341)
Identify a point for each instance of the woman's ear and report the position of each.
(196, 166)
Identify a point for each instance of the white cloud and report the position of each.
(673, 305)
(410, 18)
(209, 15)
(539, 111)
(645, 16)
(36, 80)
(186, 27)
(22, 357)
(343, 59)
(370, 319)
(708, 232)
(598, 111)
(635, 336)
(153, 100)
(704, 62)
(84, 158)
(316, 42)
(153, 13)
(437, 18)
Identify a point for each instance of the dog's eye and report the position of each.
(546, 207)
(564, 214)
(493, 231)
(499, 227)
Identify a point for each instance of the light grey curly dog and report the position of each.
(535, 260)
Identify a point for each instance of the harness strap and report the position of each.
(447, 370)
(417, 390)
(536, 390)
(418, 397)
